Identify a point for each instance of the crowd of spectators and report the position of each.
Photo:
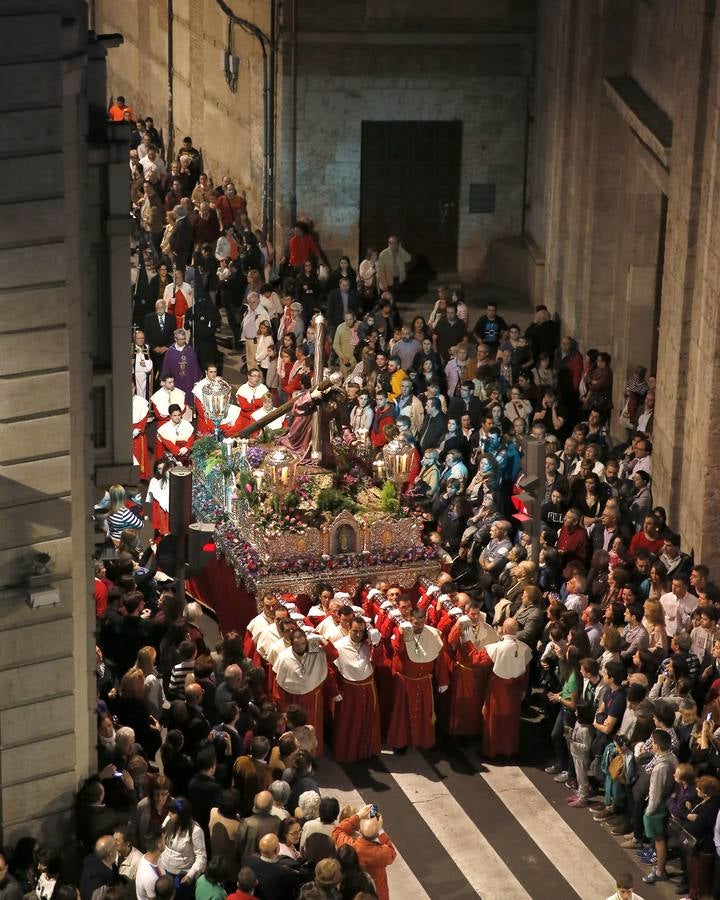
(205, 780)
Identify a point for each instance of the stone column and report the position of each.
(47, 654)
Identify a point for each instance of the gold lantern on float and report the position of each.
(216, 402)
(279, 468)
(398, 459)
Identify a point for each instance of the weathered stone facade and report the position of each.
(226, 126)
(353, 62)
(54, 229)
(626, 117)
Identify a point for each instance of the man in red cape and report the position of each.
(356, 725)
(508, 683)
(249, 396)
(418, 654)
(175, 438)
(301, 673)
(470, 671)
(203, 424)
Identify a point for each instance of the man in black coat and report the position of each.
(543, 334)
(448, 332)
(274, 878)
(159, 328)
(205, 320)
(182, 239)
(343, 299)
(203, 790)
(233, 285)
(98, 869)
(434, 427)
(467, 404)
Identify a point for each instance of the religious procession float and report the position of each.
(330, 510)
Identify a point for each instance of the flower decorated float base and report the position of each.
(339, 528)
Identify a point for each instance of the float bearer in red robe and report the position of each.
(470, 674)
(301, 672)
(264, 619)
(356, 727)
(418, 654)
(508, 683)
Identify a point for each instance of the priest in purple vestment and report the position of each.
(181, 362)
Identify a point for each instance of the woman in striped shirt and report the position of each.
(119, 515)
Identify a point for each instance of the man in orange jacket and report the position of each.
(374, 848)
(117, 111)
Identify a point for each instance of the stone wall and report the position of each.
(328, 184)
(355, 61)
(600, 172)
(226, 126)
(46, 655)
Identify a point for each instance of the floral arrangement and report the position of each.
(249, 566)
(245, 557)
(273, 522)
(256, 453)
(205, 506)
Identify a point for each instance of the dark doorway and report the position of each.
(410, 187)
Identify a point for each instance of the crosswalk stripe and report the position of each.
(473, 855)
(401, 880)
(580, 868)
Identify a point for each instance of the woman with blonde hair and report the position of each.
(153, 686)
(654, 624)
(119, 516)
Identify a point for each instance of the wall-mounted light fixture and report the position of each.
(35, 583)
(231, 62)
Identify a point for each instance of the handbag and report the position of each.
(680, 836)
(616, 768)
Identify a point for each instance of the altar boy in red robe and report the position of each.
(418, 654)
(175, 438)
(164, 397)
(250, 395)
(141, 452)
(508, 683)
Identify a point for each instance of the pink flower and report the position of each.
(248, 488)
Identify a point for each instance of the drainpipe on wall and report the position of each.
(293, 113)
(272, 97)
(170, 145)
(267, 43)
